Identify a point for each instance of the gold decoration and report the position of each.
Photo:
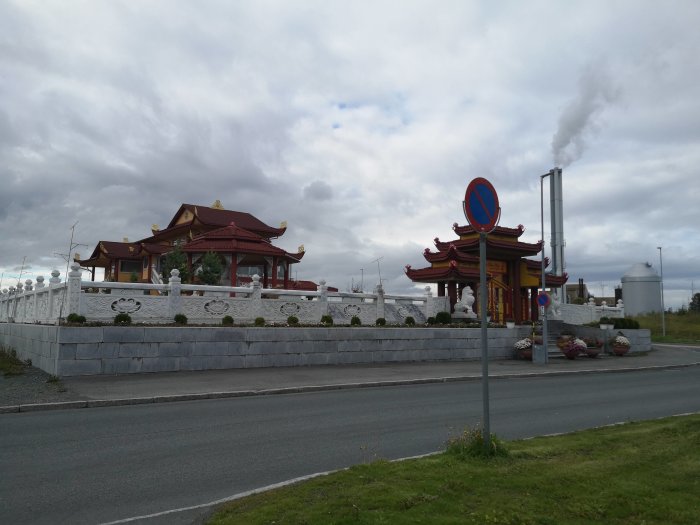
(217, 205)
(76, 256)
(300, 249)
(283, 225)
(125, 239)
(155, 228)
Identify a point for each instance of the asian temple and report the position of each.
(243, 242)
(513, 279)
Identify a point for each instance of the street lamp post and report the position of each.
(663, 307)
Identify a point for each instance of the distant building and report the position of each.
(243, 242)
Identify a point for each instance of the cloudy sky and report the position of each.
(360, 123)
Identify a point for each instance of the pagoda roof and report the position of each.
(219, 217)
(451, 254)
(235, 239)
(105, 251)
(452, 272)
(496, 248)
(498, 230)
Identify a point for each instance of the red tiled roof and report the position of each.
(220, 217)
(450, 254)
(447, 273)
(494, 247)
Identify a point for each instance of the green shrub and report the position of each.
(355, 321)
(431, 320)
(471, 444)
(409, 321)
(327, 320)
(443, 318)
(180, 319)
(292, 320)
(122, 319)
(75, 318)
(381, 321)
(259, 321)
(625, 322)
(227, 320)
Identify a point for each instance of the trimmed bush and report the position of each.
(259, 321)
(409, 321)
(355, 321)
(227, 320)
(327, 320)
(381, 321)
(625, 322)
(75, 318)
(180, 319)
(123, 319)
(292, 320)
(431, 320)
(443, 318)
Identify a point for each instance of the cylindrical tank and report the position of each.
(641, 290)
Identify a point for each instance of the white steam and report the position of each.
(595, 91)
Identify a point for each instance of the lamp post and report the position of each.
(663, 307)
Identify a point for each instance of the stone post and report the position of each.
(322, 298)
(53, 282)
(73, 290)
(428, 302)
(256, 298)
(174, 293)
(380, 301)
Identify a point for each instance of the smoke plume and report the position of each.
(595, 91)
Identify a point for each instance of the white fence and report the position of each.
(159, 303)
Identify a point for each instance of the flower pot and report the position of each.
(592, 351)
(620, 350)
(569, 354)
(526, 354)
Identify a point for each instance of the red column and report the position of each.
(274, 271)
(452, 293)
(286, 275)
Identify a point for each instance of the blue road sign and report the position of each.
(543, 299)
(481, 205)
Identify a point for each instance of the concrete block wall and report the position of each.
(123, 350)
(36, 342)
(640, 340)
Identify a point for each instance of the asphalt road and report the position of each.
(107, 464)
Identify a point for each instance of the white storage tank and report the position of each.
(641, 290)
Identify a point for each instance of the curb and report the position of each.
(96, 403)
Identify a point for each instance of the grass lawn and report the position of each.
(680, 328)
(637, 473)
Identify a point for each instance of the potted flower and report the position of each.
(573, 348)
(510, 322)
(523, 349)
(620, 344)
(593, 346)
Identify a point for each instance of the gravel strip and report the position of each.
(33, 386)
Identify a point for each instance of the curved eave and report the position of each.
(508, 250)
(555, 281)
(451, 254)
(449, 273)
(499, 230)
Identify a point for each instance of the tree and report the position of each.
(694, 305)
(176, 259)
(211, 269)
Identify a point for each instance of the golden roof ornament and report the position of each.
(283, 225)
(300, 249)
(155, 228)
(125, 239)
(217, 205)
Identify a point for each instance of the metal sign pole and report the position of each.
(483, 306)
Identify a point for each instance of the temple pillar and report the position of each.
(275, 262)
(286, 275)
(534, 309)
(441, 289)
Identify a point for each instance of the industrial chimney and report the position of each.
(557, 223)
